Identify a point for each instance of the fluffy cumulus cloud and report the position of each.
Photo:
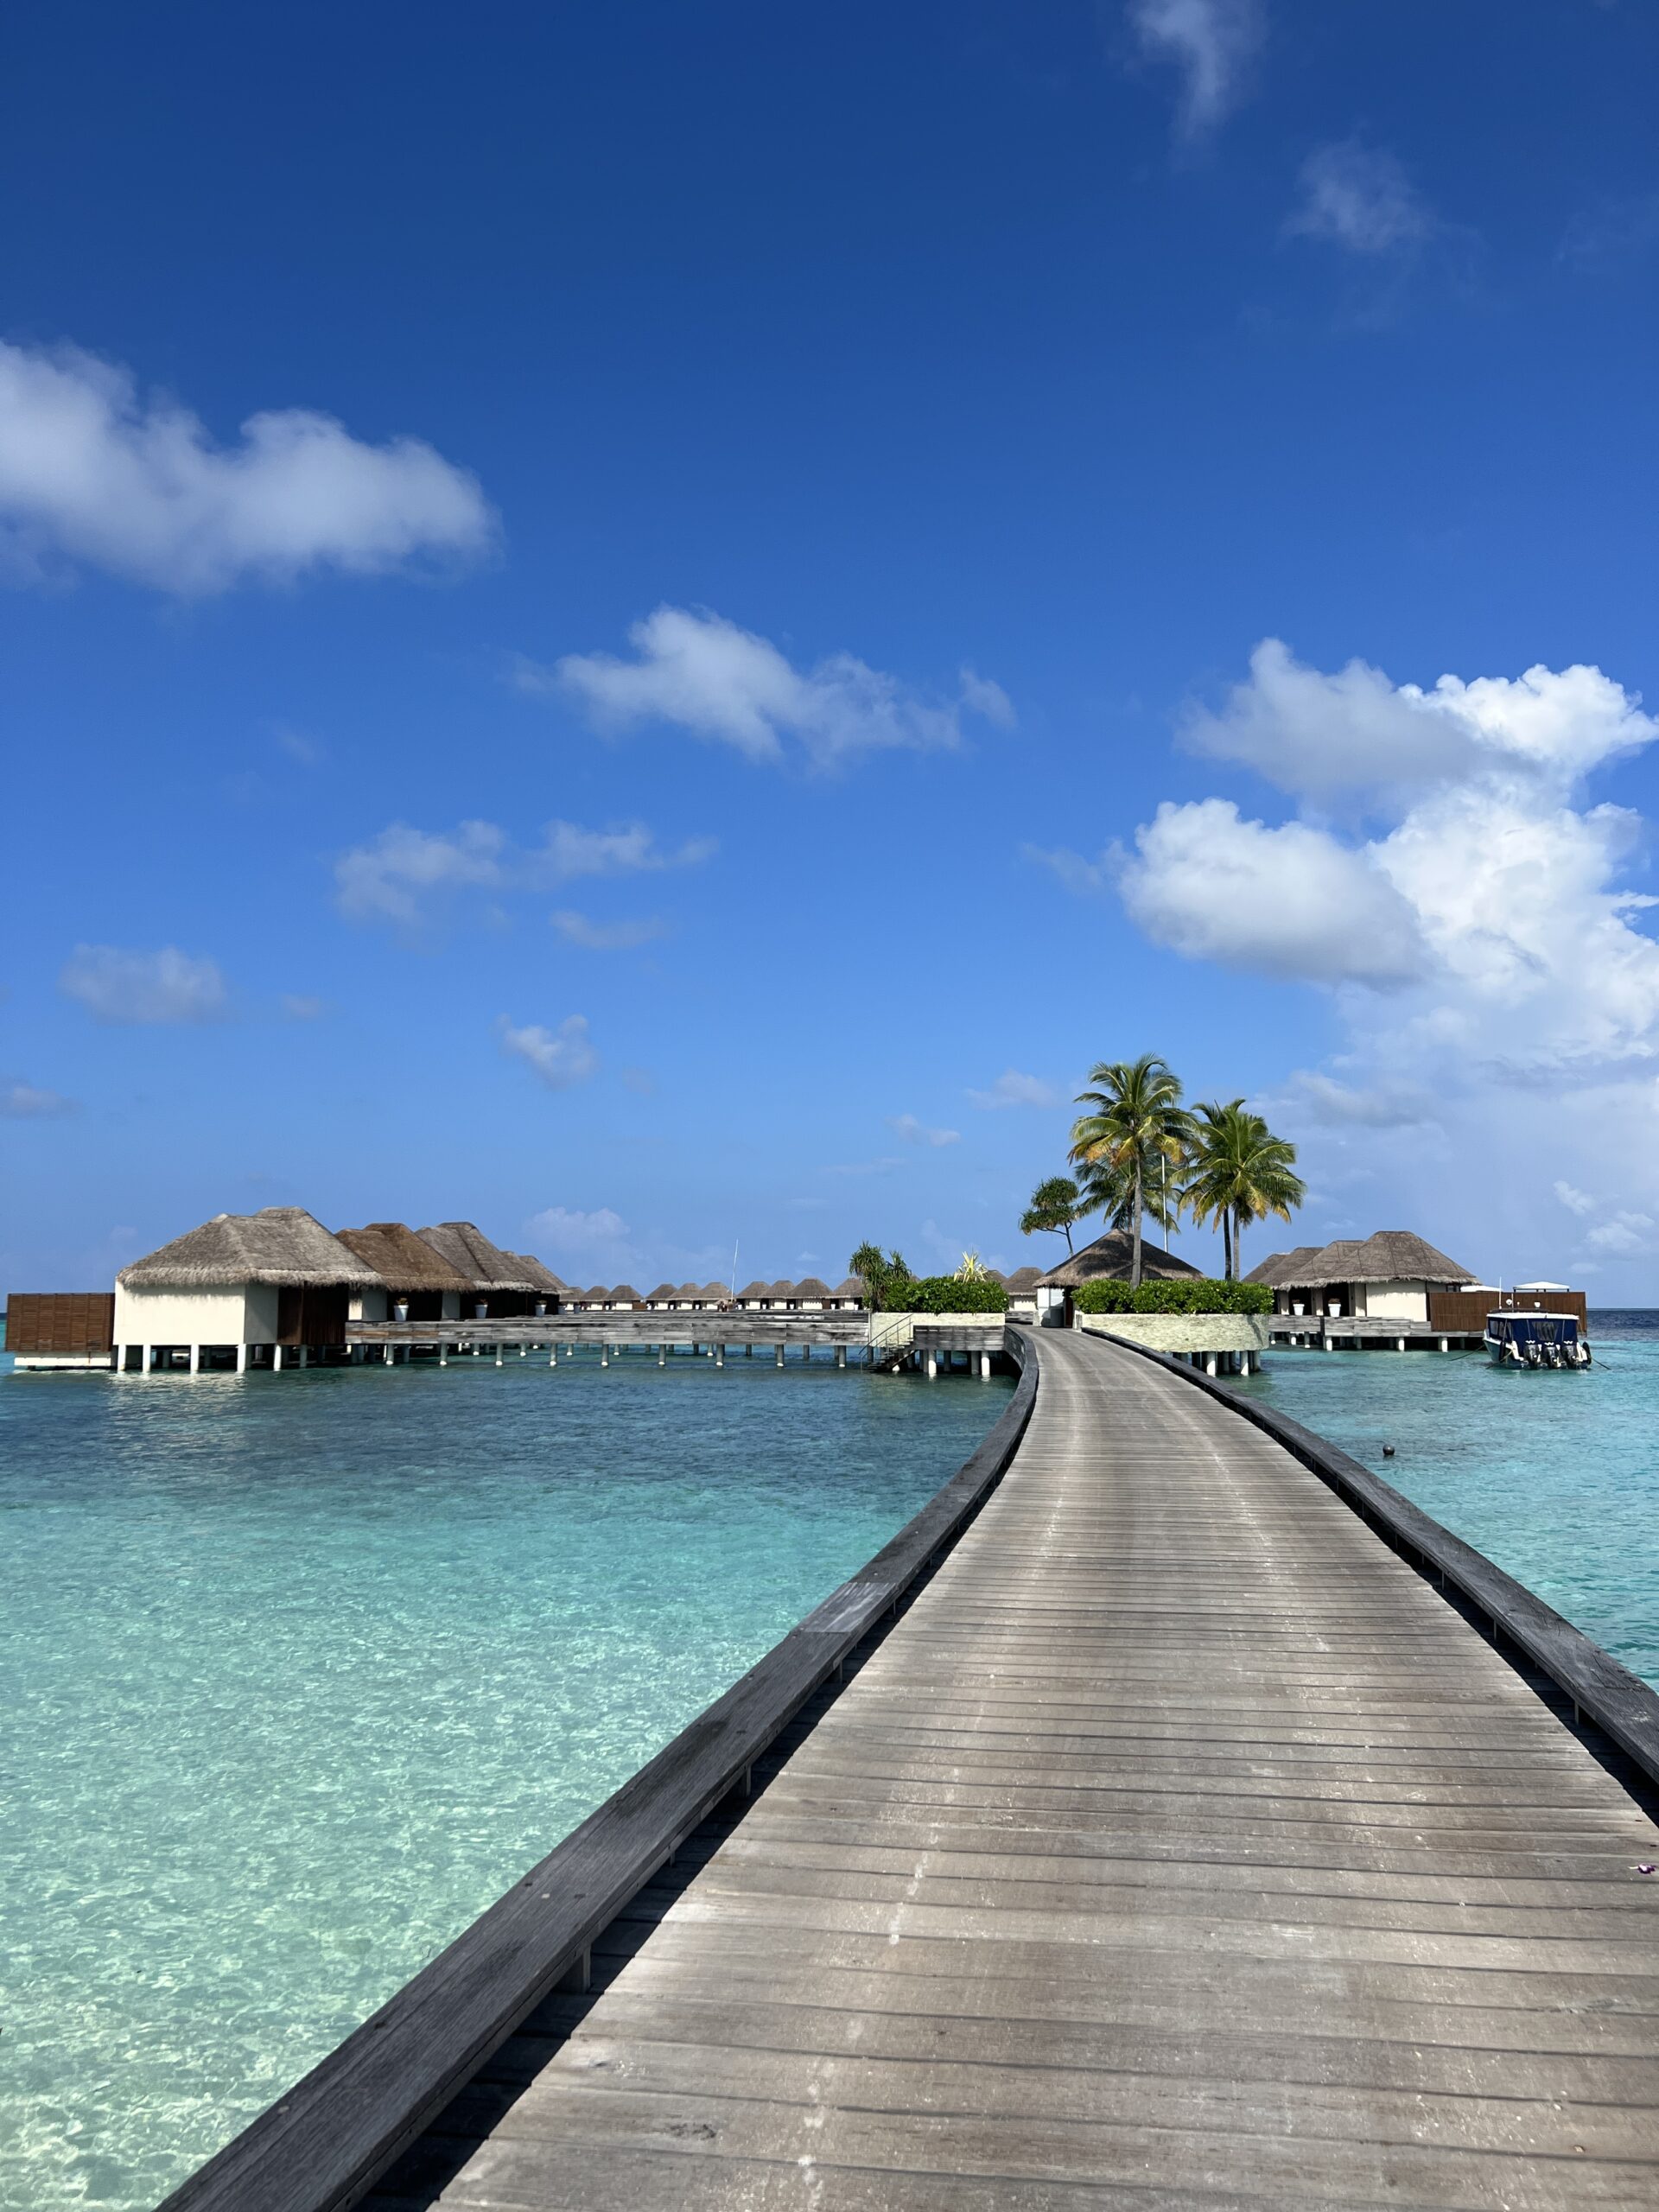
(117, 985)
(94, 473)
(1359, 198)
(1468, 902)
(560, 1057)
(695, 670)
(27, 1101)
(1013, 1089)
(595, 1244)
(1212, 44)
(1291, 901)
(405, 876)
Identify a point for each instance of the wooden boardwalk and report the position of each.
(1179, 1847)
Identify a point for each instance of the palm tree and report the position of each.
(1135, 1126)
(879, 1272)
(1239, 1171)
(1056, 1204)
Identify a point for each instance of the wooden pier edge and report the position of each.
(1602, 1690)
(326, 2141)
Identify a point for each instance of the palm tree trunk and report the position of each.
(1227, 1242)
(1237, 1268)
(1069, 1247)
(1135, 1263)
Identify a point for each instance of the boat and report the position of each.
(1536, 1339)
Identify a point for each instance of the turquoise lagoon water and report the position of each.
(299, 1673)
(1554, 1475)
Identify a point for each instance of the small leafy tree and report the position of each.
(1057, 1205)
(882, 1273)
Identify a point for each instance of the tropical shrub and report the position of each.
(1186, 1294)
(944, 1294)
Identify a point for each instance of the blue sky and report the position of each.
(817, 493)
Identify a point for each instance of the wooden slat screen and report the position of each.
(61, 1321)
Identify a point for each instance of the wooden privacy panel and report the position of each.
(60, 1320)
(1465, 1310)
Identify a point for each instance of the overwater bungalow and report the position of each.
(550, 1290)
(1111, 1258)
(242, 1289)
(661, 1300)
(416, 1283)
(623, 1299)
(755, 1297)
(847, 1297)
(498, 1286)
(811, 1295)
(1021, 1288)
(1391, 1275)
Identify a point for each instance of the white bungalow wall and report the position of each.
(368, 1305)
(244, 1314)
(1396, 1301)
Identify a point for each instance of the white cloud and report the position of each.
(398, 874)
(1578, 1202)
(25, 1101)
(561, 1056)
(1360, 198)
(1013, 1089)
(1480, 937)
(603, 937)
(986, 699)
(1212, 43)
(1291, 901)
(914, 1132)
(1087, 879)
(91, 473)
(299, 1008)
(1311, 1095)
(121, 986)
(1628, 1234)
(1319, 735)
(702, 673)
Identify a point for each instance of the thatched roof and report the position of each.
(280, 1244)
(810, 1287)
(852, 1287)
(718, 1291)
(662, 1294)
(599, 1295)
(1325, 1263)
(1274, 1270)
(400, 1258)
(1391, 1255)
(1111, 1256)
(755, 1289)
(540, 1278)
(624, 1294)
(1023, 1279)
(782, 1290)
(470, 1252)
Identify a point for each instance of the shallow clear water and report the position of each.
(300, 1673)
(1553, 1474)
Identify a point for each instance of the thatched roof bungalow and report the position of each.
(412, 1275)
(497, 1285)
(1390, 1275)
(812, 1295)
(847, 1296)
(1021, 1288)
(275, 1277)
(1111, 1258)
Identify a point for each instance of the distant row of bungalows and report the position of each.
(243, 1289)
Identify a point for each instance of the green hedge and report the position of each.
(943, 1295)
(1186, 1294)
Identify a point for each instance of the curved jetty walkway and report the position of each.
(1180, 1846)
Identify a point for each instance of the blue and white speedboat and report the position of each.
(1536, 1339)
